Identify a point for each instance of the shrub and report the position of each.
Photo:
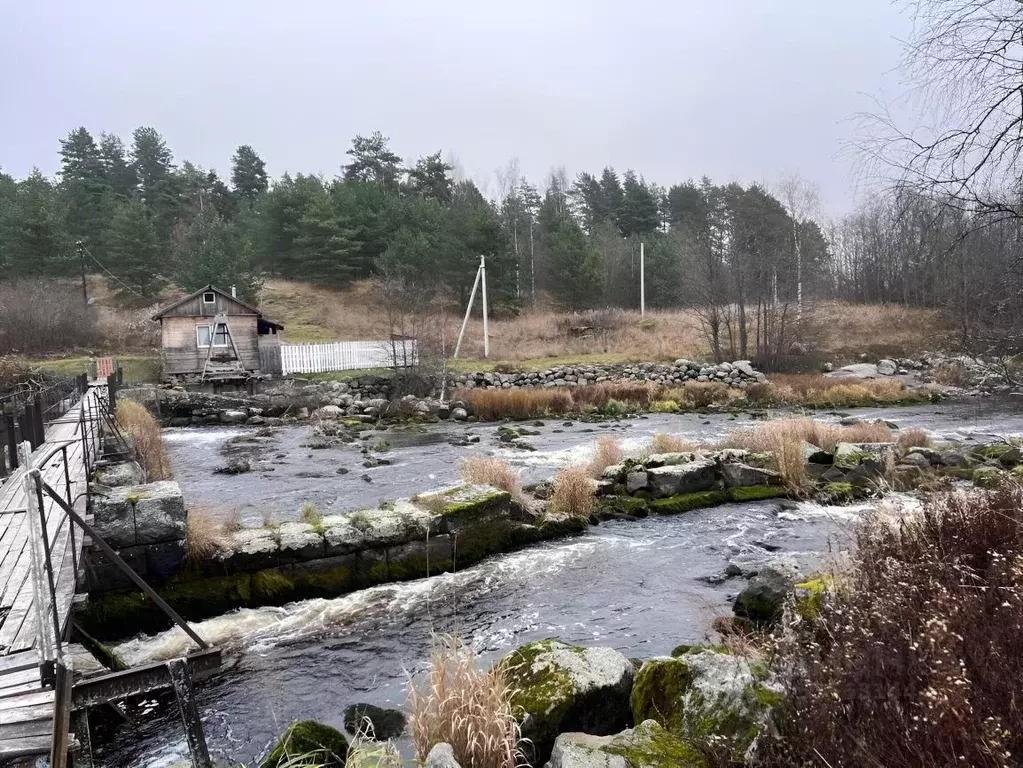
(466, 707)
(918, 661)
(607, 451)
(203, 536)
(311, 515)
(573, 493)
(912, 438)
(481, 470)
(39, 316)
(665, 443)
(146, 436)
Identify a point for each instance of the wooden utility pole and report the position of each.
(81, 259)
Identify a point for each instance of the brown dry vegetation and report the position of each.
(482, 470)
(665, 443)
(606, 452)
(574, 493)
(812, 431)
(312, 313)
(816, 390)
(203, 536)
(146, 436)
(465, 706)
(916, 661)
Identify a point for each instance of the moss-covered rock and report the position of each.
(560, 687)
(811, 594)
(987, 477)
(326, 747)
(712, 700)
(686, 502)
(756, 493)
(659, 688)
(762, 600)
(647, 745)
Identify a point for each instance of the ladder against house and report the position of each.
(225, 363)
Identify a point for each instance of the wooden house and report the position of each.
(212, 334)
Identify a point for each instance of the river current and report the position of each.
(642, 587)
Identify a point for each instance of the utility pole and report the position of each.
(486, 319)
(642, 281)
(81, 259)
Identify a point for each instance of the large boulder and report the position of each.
(441, 756)
(874, 458)
(141, 514)
(560, 687)
(382, 724)
(762, 600)
(647, 745)
(887, 367)
(673, 479)
(120, 475)
(706, 697)
(744, 476)
(325, 745)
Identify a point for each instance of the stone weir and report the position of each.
(372, 396)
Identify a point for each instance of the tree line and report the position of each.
(132, 211)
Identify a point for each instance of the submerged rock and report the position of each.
(324, 744)
(384, 723)
(236, 466)
(561, 687)
(647, 745)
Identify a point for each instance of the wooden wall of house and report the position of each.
(196, 307)
(181, 353)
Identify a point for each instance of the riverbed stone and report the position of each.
(706, 696)
(673, 479)
(306, 737)
(441, 756)
(561, 687)
(762, 600)
(233, 417)
(648, 745)
(875, 458)
(743, 475)
(383, 723)
(635, 481)
(329, 413)
(887, 367)
(667, 459)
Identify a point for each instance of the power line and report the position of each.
(112, 275)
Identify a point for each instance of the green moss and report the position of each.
(992, 451)
(838, 491)
(756, 493)
(987, 477)
(656, 748)
(271, 585)
(545, 694)
(476, 541)
(765, 697)
(961, 473)
(326, 747)
(658, 691)
(810, 596)
(626, 505)
(664, 406)
(686, 502)
(1017, 472)
(329, 583)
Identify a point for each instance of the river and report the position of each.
(639, 586)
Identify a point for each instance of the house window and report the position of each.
(209, 297)
(203, 333)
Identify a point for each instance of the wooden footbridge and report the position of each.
(45, 528)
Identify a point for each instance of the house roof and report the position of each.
(259, 314)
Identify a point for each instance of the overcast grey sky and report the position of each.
(739, 90)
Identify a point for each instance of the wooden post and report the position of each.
(112, 394)
(181, 678)
(61, 717)
(40, 416)
(27, 423)
(12, 440)
(81, 752)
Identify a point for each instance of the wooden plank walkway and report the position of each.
(26, 707)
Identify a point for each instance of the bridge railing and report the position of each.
(24, 414)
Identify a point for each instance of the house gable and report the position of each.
(198, 304)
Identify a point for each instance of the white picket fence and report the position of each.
(345, 355)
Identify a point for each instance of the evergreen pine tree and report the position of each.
(134, 254)
(248, 174)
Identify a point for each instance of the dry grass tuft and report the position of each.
(607, 452)
(465, 706)
(481, 470)
(146, 436)
(918, 662)
(573, 493)
(818, 433)
(517, 403)
(665, 443)
(913, 438)
(203, 536)
(816, 390)
(311, 515)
